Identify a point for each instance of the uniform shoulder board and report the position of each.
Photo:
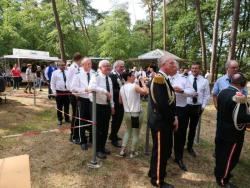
(159, 79)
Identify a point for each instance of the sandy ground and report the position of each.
(55, 162)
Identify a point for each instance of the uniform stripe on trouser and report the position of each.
(228, 163)
(158, 157)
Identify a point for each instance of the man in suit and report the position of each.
(117, 82)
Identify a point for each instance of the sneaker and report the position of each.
(133, 154)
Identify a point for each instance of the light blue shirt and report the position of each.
(223, 83)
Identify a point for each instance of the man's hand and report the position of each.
(112, 111)
(178, 89)
(201, 110)
(176, 124)
(108, 94)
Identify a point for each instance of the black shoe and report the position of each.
(106, 151)
(192, 152)
(181, 165)
(166, 185)
(59, 123)
(84, 146)
(101, 155)
(116, 144)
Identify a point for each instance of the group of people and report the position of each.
(176, 102)
(117, 97)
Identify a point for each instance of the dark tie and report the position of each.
(88, 75)
(107, 87)
(195, 88)
(64, 78)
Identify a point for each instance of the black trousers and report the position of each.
(84, 114)
(227, 156)
(161, 152)
(16, 82)
(193, 112)
(116, 121)
(180, 134)
(62, 103)
(103, 113)
(74, 122)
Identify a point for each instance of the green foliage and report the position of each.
(29, 24)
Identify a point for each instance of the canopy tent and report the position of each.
(30, 55)
(156, 54)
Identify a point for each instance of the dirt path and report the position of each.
(55, 162)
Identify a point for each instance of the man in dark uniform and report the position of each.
(162, 121)
(117, 82)
(232, 118)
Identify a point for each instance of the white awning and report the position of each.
(156, 54)
(44, 58)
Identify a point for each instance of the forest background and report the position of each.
(208, 31)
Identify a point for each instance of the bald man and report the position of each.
(230, 129)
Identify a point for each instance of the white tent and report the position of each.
(156, 54)
(30, 54)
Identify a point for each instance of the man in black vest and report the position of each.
(117, 82)
(162, 121)
(232, 118)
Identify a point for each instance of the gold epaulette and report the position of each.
(159, 79)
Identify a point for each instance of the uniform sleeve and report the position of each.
(53, 82)
(206, 95)
(160, 99)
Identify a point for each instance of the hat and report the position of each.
(28, 65)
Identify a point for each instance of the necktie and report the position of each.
(107, 87)
(88, 77)
(195, 88)
(64, 77)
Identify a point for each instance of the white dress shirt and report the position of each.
(57, 81)
(98, 83)
(72, 71)
(182, 82)
(202, 90)
(80, 83)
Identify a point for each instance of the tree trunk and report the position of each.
(235, 21)
(202, 37)
(164, 26)
(219, 54)
(151, 9)
(72, 15)
(215, 41)
(60, 34)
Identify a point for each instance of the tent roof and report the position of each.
(45, 58)
(156, 54)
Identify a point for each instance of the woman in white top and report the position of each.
(130, 98)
